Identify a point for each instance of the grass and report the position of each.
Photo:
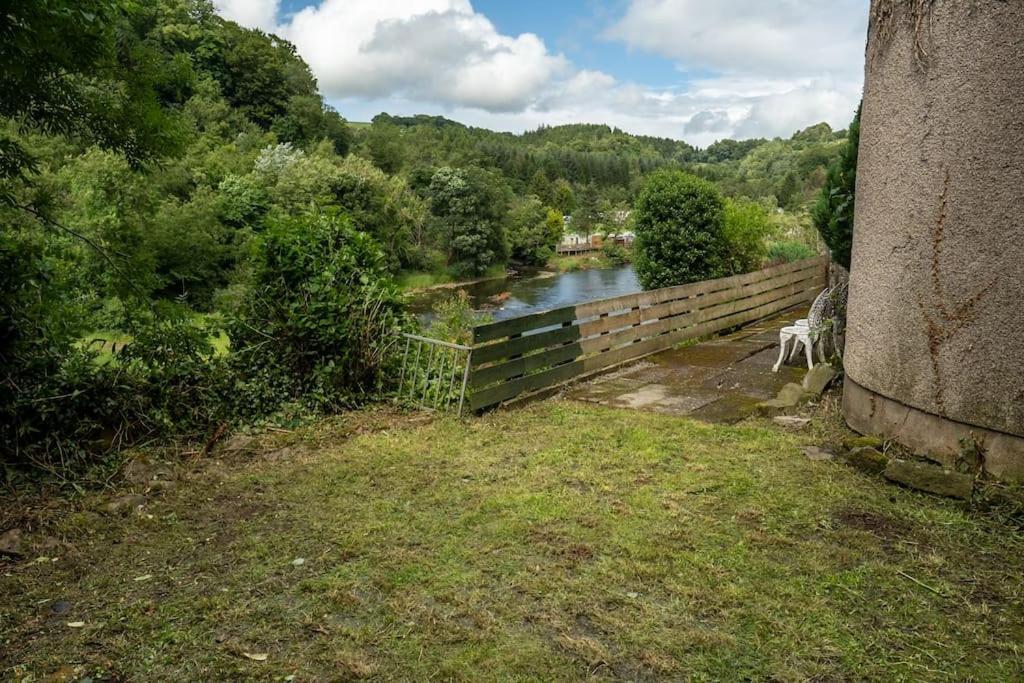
(561, 541)
(107, 342)
(411, 281)
(571, 264)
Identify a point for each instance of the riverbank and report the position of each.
(585, 541)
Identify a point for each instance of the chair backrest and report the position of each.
(821, 310)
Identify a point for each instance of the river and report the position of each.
(514, 296)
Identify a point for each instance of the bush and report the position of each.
(833, 213)
(320, 323)
(454, 319)
(747, 227)
(680, 235)
(615, 253)
(787, 252)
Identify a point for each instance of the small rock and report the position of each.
(298, 561)
(10, 543)
(867, 459)
(60, 607)
(925, 477)
(818, 454)
(122, 505)
(818, 378)
(791, 422)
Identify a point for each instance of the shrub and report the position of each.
(833, 213)
(788, 251)
(616, 254)
(747, 227)
(680, 234)
(319, 324)
(454, 319)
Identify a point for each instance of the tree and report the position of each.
(563, 196)
(833, 213)
(747, 226)
(680, 234)
(534, 231)
(587, 217)
(471, 206)
(384, 145)
(76, 66)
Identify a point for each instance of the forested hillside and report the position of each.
(192, 236)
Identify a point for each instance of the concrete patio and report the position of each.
(720, 380)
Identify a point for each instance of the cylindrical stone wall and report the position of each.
(935, 338)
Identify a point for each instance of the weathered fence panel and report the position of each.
(513, 358)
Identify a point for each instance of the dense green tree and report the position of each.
(76, 66)
(385, 147)
(563, 197)
(680, 235)
(833, 213)
(533, 232)
(470, 206)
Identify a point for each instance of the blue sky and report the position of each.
(689, 69)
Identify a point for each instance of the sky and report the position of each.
(696, 70)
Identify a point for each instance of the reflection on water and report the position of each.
(511, 297)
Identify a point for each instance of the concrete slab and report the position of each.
(720, 380)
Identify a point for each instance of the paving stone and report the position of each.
(925, 477)
(791, 422)
(818, 378)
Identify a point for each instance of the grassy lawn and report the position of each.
(562, 541)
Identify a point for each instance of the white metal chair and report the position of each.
(805, 332)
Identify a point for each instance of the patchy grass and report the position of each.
(418, 281)
(572, 264)
(561, 541)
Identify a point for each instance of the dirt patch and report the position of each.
(889, 530)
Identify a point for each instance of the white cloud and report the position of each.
(260, 14)
(436, 51)
(767, 69)
(750, 36)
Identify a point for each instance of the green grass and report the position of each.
(418, 280)
(559, 542)
(570, 264)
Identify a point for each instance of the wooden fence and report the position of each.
(517, 357)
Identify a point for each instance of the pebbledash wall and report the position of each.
(935, 339)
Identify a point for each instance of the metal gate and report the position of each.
(434, 373)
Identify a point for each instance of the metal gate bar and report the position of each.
(432, 385)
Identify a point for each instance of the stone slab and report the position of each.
(930, 478)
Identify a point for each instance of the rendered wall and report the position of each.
(936, 310)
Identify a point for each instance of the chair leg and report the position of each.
(783, 342)
(797, 341)
(809, 348)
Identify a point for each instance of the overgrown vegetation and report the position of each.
(161, 169)
(833, 212)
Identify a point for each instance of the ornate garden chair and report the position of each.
(807, 332)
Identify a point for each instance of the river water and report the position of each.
(514, 296)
